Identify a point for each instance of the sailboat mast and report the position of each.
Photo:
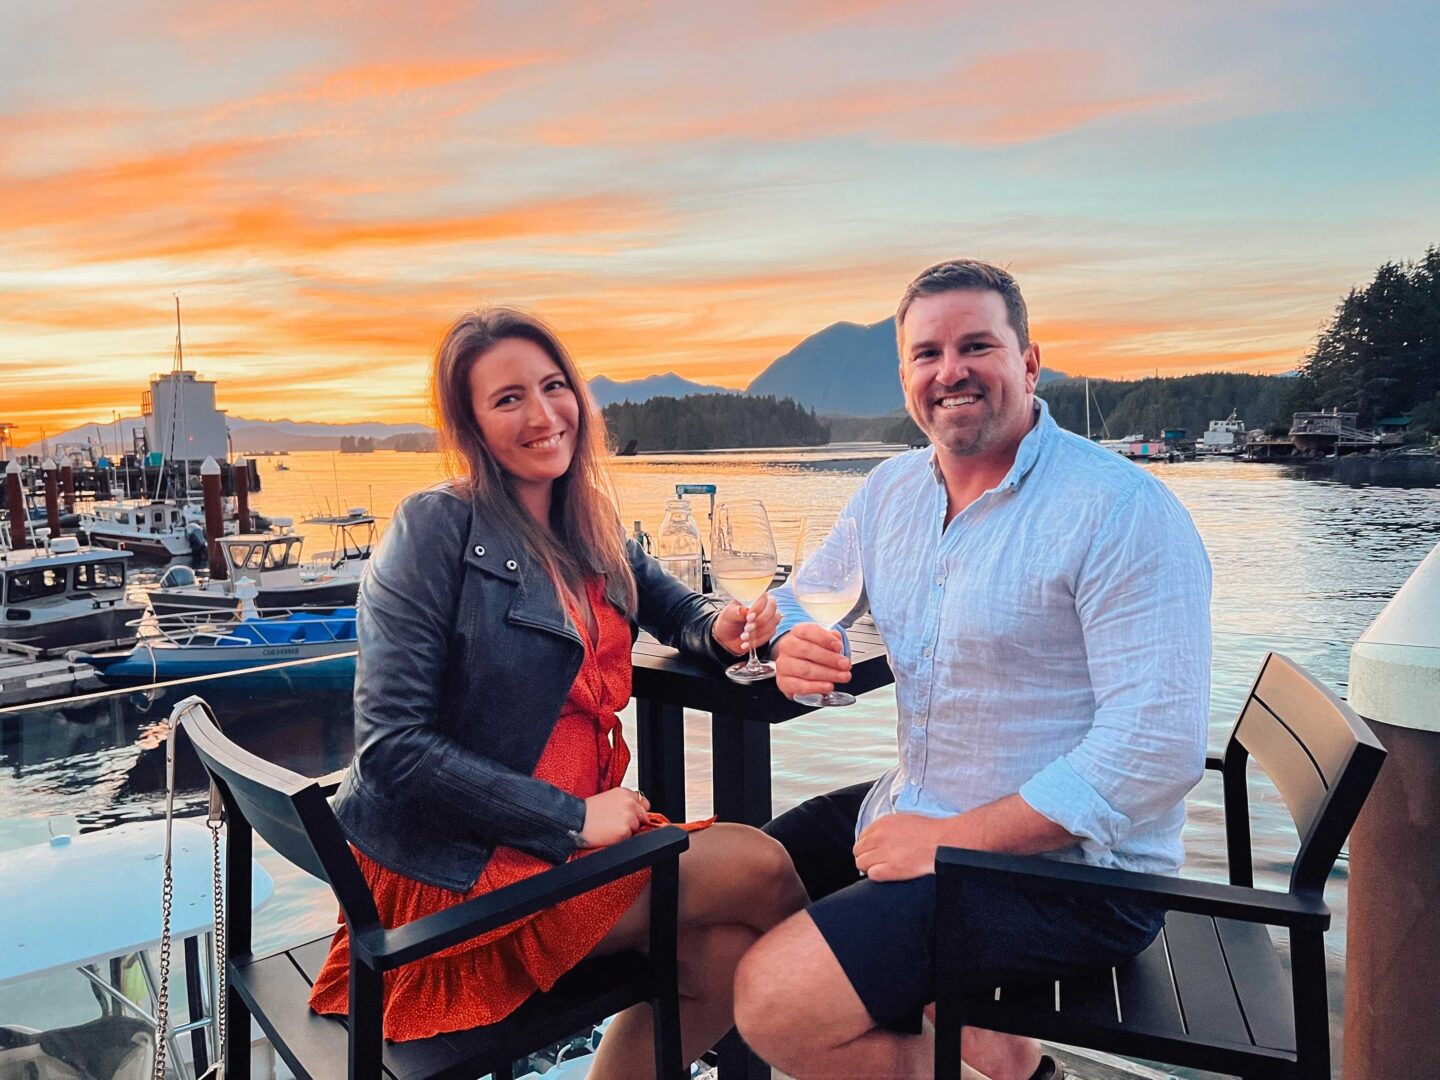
(177, 405)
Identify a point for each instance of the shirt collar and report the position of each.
(1026, 457)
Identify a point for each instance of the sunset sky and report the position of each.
(689, 187)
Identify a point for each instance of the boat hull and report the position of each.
(67, 632)
(146, 547)
(159, 664)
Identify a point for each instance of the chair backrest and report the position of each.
(288, 810)
(1320, 755)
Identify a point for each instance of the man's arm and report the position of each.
(898, 847)
(1143, 600)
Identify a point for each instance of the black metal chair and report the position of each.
(291, 813)
(1210, 992)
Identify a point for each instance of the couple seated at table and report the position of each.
(1044, 604)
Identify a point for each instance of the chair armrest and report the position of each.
(330, 782)
(1297, 911)
(1215, 761)
(387, 949)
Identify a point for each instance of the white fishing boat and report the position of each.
(153, 528)
(272, 561)
(64, 595)
(354, 540)
(1226, 437)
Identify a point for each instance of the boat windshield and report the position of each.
(26, 585)
(99, 575)
(262, 555)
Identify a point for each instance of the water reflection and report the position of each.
(1300, 567)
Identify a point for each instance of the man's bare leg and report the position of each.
(996, 1054)
(796, 1008)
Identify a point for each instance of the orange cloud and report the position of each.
(1013, 97)
(184, 203)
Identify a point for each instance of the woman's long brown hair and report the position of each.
(585, 535)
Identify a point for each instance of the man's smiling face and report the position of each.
(968, 384)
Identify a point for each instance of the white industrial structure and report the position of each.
(182, 423)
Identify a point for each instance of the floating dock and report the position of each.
(25, 678)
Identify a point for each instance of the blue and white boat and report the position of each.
(179, 647)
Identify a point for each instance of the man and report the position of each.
(1046, 607)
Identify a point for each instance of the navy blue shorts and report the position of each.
(882, 932)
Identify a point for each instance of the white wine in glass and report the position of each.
(743, 562)
(827, 582)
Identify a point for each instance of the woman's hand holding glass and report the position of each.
(613, 816)
(738, 628)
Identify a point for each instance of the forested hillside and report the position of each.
(1149, 406)
(708, 421)
(1379, 355)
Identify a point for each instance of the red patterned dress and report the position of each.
(483, 980)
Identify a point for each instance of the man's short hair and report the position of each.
(957, 274)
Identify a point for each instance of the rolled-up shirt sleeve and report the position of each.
(1143, 599)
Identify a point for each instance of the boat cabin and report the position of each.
(254, 554)
(154, 517)
(61, 572)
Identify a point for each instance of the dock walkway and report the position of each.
(26, 678)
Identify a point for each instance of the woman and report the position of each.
(495, 629)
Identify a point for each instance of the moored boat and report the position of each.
(272, 562)
(189, 645)
(64, 595)
(156, 529)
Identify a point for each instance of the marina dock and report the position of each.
(26, 677)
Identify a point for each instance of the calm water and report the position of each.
(1302, 564)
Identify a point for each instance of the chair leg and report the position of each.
(237, 1034)
(367, 991)
(949, 1026)
(665, 1005)
(1312, 1008)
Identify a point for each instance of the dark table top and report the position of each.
(662, 675)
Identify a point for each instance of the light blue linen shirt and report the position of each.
(1052, 640)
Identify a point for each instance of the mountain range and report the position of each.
(845, 369)
(607, 391)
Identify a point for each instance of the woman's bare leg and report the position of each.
(735, 884)
(708, 958)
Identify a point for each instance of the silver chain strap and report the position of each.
(214, 822)
(167, 898)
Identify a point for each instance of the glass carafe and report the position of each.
(677, 544)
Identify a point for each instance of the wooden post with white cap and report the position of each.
(1392, 1007)
(15, 503)
(214, 517)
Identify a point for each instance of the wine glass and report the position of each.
(742, 560)
(827, 582)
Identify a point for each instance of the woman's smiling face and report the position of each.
(527, 411)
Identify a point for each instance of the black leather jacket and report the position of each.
(466, 658)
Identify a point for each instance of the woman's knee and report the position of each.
(754, 873)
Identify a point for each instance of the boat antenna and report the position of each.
(335, 469)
